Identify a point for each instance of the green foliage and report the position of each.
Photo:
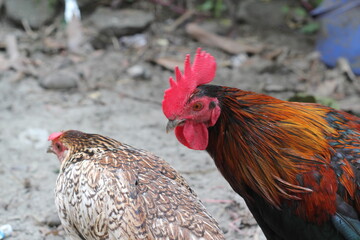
(315, 3)
(310, 28)
(300, 12)
(302, 98)
(206, 6)
(296, 11)
(326, 101)
(298, 18)
(214, 6)
(285, 9)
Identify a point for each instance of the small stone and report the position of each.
(110, 23)
(238, 60)
(35, 12)
(60, 80)
(135, 41)
(138, 72)
(120, 22)
(267, 14)
(162, 42)
(52, 220)
(27, 183)
(95, 95)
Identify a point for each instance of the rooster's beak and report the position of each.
(173, 124)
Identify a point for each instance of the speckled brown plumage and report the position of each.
(109, 190)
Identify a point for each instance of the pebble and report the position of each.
(60, 80)
(52, 220)
(36, 13)
(270, 16)
(238, 60)
(109, 24)
(120, 22)
(138, 72)
(135, 41)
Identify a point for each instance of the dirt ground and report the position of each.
(108, 100)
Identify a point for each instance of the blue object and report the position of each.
(5, 231)
(340, 32)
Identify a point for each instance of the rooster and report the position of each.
(109, 190)
(297, 165)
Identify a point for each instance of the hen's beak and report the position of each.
(173, 124)
(50, 149)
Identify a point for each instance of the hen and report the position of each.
(295, 164)
(110, 190)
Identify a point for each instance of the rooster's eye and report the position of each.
(197, 106)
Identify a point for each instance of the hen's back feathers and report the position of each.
(109, 190)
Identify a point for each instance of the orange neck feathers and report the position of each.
(272, 147)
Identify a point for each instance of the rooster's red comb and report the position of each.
(202, 71)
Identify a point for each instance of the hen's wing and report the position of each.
(95, 203)
(172, 208)
(130, 194)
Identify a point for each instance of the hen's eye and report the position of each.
(58, 146)
(197, 106)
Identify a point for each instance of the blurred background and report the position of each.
(102, 66)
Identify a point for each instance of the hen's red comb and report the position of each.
(202, 71)
(54, 136)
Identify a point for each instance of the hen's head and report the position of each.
(58, 145)
(188, 109)
(66, 143)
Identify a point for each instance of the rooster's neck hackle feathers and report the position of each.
(202, 71)
(273, 146)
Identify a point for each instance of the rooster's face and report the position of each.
(190, 124)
